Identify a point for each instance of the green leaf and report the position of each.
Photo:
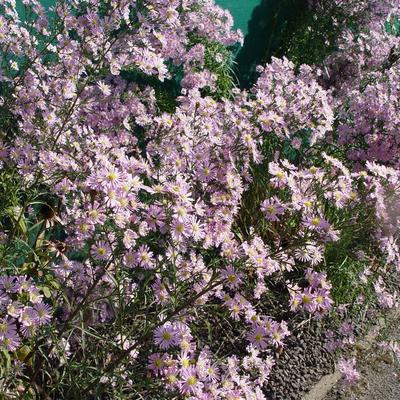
(5, 355)
(46, 291)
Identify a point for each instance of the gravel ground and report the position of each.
(379, 370)
(303, 362)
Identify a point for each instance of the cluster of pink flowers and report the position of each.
(22, 310)
(198, 374)
(288, 102)
(344, 335)
(365, 74)
(152, 203)
(348, 370)
(315, 298)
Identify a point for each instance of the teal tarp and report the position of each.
(241, 11)
(46, 3)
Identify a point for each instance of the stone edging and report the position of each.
(327, 382)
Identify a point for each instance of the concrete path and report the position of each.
(379, 369)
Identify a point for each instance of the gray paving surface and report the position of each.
(380, 374)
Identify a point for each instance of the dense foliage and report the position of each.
(153, 215)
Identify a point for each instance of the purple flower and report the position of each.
(189, 382)
(272, 208)
(144, 257)
(11, 343)
(347, 369)
(156, 362)
(180, 230)
(101, 251)
(259, 337)
(43, 313)
(28, 317)
(8, 284)
(165, 336)
(7, 328)
(232, 277)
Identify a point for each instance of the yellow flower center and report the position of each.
(185, 363)
(315, 221)
(306, 299)
(145, 257)
(123, 201)
(180, 228)
(192, 380)
(101, 251)
(84, 228)
(171, 379)
(93, 214)
(159, 363)
(112, 176)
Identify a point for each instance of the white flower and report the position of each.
(105, 89)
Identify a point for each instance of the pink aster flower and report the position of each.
(24, 284)
(34, 295)
(272, 208)
(144, 257)
(232, 277)
(316, 222)
(347, 369)
(104, 88)
(129, 239)
(165, 336)
(43, 313)
(11, 343)
(171, 375)
(296, 143)
(28, 317)
(7, 328)
(8, 284)
(235, 308)
(308, 300)
(157, 362)
(279, 175)
(155, 218)
(14, 309)
(316, 254)
(189, 382)
(180, 230)
(259, 337)
(101, 251)
(302, 254)
(160, 292)
(276, 330)
(196, 229)
(111, 178)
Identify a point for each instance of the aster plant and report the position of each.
(152, 209)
